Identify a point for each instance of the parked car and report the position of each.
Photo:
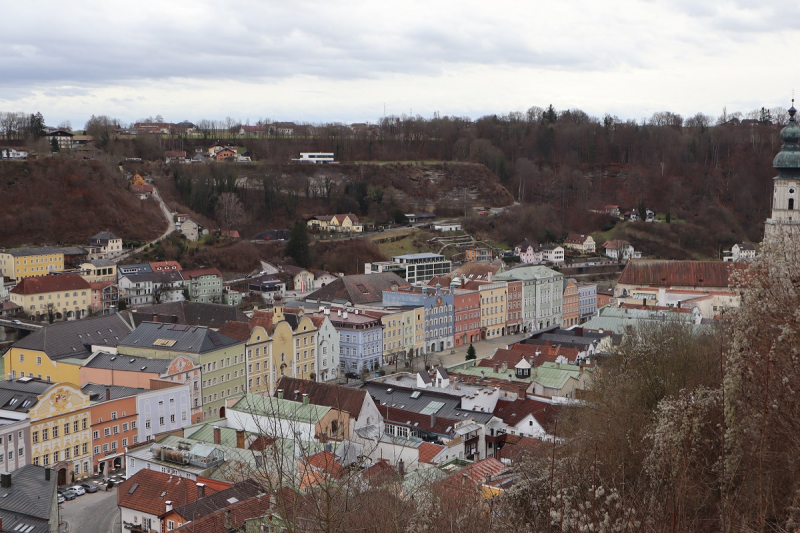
(78, 490)
(61, 498)
(69, 494)
(89, 487)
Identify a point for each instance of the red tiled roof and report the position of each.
(150, 485)
(517, 446)
(513, 411)
(680, 273)
(327, 462)
(142, 187)
(230, 517)
(236, 330)
(574, 238)
(428, 451)
(442, 426)
(52, 283)
(334, 396)
(161, 266)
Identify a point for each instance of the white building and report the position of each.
(316, 158)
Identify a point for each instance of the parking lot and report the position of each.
(91, 513)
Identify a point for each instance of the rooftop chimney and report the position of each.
(217, 435)
(305, 399)
(108, 393)
(401, 468)
(201, 491)
(433, 419)
(228, 520)
(46, 478)
(5, 480)
(280, 394)
(168, 505)
(240, 438)
(496, 368)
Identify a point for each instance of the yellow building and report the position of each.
(282, 342)
(419, 330)
(493, 309)
(99, 270)
(345, 223)
(61, 432)
(259, 360)
(63, 296)
(56, 352)
(31, 262)
(399, 333)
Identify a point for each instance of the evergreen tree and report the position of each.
(36, 126)
(471, 353)
(297, 247)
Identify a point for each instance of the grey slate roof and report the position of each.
(169, 276)
(42, 250)
(20, 395)
(189, 339)
(186, 313)
(97, 392)
(241, 491)
(110, 361)
(139, 268)
(400, 398)
(74, 338)
(358, 289)
(29, 499)
(104, 237)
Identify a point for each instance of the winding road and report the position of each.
(170, 226)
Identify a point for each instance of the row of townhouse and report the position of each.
(381, 319)
(144, 287)
(81, 431)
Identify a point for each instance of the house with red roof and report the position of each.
(203, 284)
(65, 296)
(148, 494)
(582, 243)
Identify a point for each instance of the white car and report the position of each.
(80, 491)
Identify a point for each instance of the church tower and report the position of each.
(785, 217)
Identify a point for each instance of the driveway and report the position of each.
(91, 513)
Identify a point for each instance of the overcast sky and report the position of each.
(344, 61)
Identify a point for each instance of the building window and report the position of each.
(95, 435)
(35, 437)
(107, 432)
(44, 434)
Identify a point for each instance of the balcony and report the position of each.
(497, 438)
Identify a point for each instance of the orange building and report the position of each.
(572, 300)
(113, 413)
(122, 370)
(514, 319)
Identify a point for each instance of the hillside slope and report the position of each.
(61, 200)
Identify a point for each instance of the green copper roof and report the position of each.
(554, 375)
(789, 156)
(284, 409)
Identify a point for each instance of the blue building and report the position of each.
(587, 293)
(162, 410)
(439, 312)
(360, 340)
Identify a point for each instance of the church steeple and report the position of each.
(786, 184)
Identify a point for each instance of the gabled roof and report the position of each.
(199, 508)
(109, 361)
(428, 452)
(334, 396)
(30, 495)
(187, 313)
(177, 338)
(358, 289)
(527, 273)
(236, 330)
(75, 338)
(512, 412)
(232, 516)
(104, 236)
(52, 283)
(524, 245)
(616, 244)
(680, 273)
(575, 238)
(148, 491)
(97, 392)
(296, 411)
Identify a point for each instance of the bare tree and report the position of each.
(229, 211)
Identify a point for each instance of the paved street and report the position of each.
(483, 349)
(91, 513)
